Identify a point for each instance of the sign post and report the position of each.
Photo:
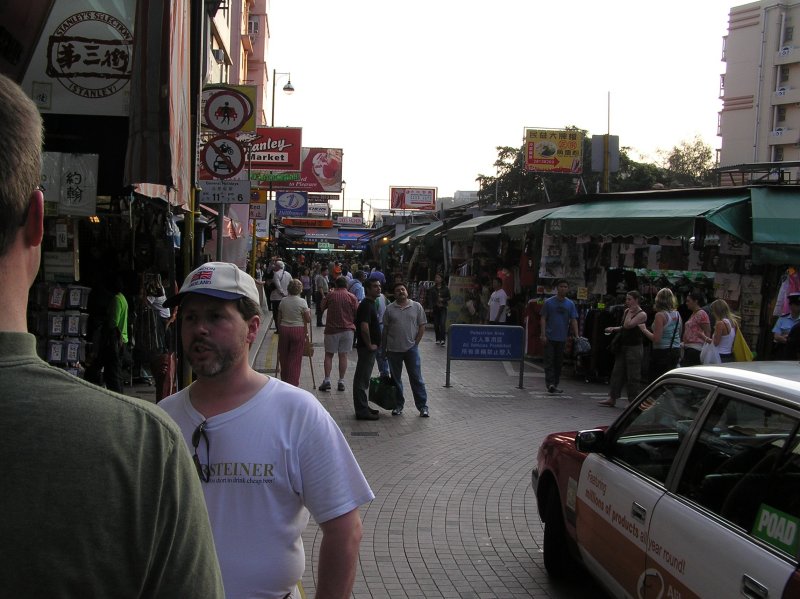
(498, 343)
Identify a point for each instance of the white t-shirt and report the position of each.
(497, 306)
(273, 460)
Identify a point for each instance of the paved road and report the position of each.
(454, 514)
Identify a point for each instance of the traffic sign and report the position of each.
(227, 110)
(228, 191)
(223, 157)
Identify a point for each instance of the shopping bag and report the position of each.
(710, 354)
(308, 348)
(615, 345)
(741, 351)
(581, 345)
(383, 392)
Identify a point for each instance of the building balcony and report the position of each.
(785, 94)
(787, 55)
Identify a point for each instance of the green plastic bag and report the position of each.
(383, 392)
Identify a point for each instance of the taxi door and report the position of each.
(731, 528)
(613, 511)
(620, 487)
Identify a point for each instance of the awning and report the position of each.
(466, 231)
(493, 232)
(776, 225)
(426, 230)
(519, 227)
(652, 217)
(405, 234)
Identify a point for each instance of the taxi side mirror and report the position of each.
(590, 441)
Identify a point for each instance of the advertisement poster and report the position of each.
(413, 198)
(554, 151)
(321, 172)
(82, 63)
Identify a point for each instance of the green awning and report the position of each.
(519, 227)
(776, 225)
(652, 217)
(466, 231)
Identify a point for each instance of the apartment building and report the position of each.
(760, 118)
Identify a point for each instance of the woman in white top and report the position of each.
(724, 330)
(294, 318)
(666, 335)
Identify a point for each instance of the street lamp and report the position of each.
(288, 88)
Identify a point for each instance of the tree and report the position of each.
(689, 163)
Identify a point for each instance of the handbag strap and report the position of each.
(675, 330)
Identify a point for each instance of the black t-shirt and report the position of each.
(367, 313)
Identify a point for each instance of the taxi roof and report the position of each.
(780, 379)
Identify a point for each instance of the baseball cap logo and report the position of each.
(202, 275)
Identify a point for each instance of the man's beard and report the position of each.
(220, 362)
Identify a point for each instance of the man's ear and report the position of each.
(252, 328)
(34, 223)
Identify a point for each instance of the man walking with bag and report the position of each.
(403, 327)
(559, 316)
(368, 338)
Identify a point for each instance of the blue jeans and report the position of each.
(410, 358)
(364, 366)
(553, 359)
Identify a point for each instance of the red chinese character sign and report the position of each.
(413, 198)
(554, 151)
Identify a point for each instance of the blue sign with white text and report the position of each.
(292, 203)
(476, 342)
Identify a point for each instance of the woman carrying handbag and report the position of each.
(294, 318)
(628, 360)
(666, 335)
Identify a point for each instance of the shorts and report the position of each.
(339, 343)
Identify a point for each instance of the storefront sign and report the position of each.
(554, 151)
(308, 222)
(291, 203)
(349, 220)
(265, 177)
(275, 149)
(318, 209)
(413, 198)
(71, 180)
(83, 61)
(258, 211)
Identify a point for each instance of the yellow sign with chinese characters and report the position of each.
(554, 151)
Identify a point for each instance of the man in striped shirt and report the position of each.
(339, 330)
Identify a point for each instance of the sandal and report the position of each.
(608, 403)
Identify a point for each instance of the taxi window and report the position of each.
(649, 437)
(745, 467)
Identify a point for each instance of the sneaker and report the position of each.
(325, 386)
(340, 386)
(424, 412)
(556, 390)
(397, 411)
(551, 389)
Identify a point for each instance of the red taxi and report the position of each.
(694, 491)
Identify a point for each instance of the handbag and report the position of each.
(710, 354)
(741, 351)
(383, 392)
(308, 348)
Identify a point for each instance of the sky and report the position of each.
(422, 92)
